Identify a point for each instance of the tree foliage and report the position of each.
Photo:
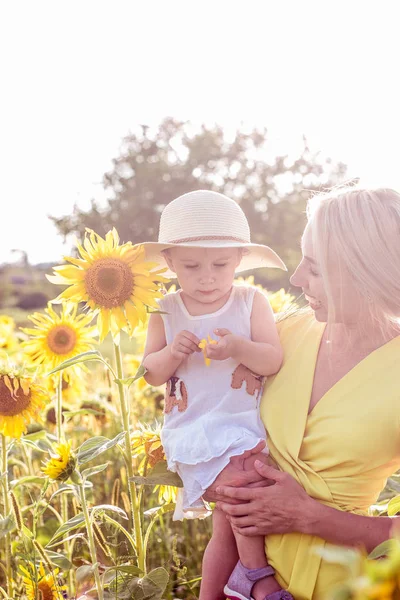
(157, 165)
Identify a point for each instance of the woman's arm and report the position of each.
(286, 508)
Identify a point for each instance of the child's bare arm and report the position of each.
(263, 353)
(161, 359)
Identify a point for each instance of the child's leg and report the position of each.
(219, 560)
(252, 556)
(252, 549)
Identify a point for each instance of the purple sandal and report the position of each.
(242, 581)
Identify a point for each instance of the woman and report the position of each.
(333, 409)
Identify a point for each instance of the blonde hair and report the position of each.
(359, 229)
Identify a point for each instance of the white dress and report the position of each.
(211, 412)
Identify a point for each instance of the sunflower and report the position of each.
(9, 342)
(21, 399)
(42, 586)
(147, 441)
(62, 462)
(281, 301)
(113, 280)
(57, 338)
(74, 388)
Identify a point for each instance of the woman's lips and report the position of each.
(313, 302)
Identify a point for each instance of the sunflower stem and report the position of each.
(64, 499)
(133, 496)
(60, 432)
(92, 546)
(7, 508)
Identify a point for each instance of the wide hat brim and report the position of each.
(256, 256)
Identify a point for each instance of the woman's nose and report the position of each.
(298, 279)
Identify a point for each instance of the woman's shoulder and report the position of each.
(294, 323)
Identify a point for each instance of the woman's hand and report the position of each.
(240, 472)
(280, 508)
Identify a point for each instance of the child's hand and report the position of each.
(226, 346)
(184, 344)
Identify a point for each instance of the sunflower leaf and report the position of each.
(74, 523)
(110, 507)
(125, 569)
(60, 560)
(83, 357)
(67, 539)
(149, 587)
(28, 480)
(93, 470)
(97, 445)
(159, 475)
(394, 506)
(7, 525)
(139, 373)
(159, 510)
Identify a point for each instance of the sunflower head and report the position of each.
(61, 464)
(57, 338)
(21, 399)
(113, 280)
(40, 586)
(147, 441)
(281, 301)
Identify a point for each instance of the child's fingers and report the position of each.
(188, 335)
(222, 332)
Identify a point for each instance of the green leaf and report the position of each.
(82, 411)
(61, 561)
(7, 525)
(381, 550)
(139, 373)
(65, 488)
(42, 444)
(125, 569)
(83, 357)
(74, 523)
(74, 536)
(152, 586)
(111, 508)
(84, 572)
(394, 506)
(159, 510)
(96, 446)
(159, 475)
(28, 480)
(93, 470)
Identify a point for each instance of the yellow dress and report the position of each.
(341, 453)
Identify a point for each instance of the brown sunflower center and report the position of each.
(45, 591)
(12, 404)
(109, 282)
(61, 339)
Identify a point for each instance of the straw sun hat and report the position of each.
(206, 219)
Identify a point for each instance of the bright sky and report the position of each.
(77, 76)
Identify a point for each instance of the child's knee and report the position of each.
(262, 457)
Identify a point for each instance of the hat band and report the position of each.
(225, 238)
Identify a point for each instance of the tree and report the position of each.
(157, 165)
